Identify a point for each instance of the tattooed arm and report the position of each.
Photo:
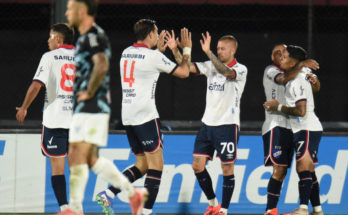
(220, 67)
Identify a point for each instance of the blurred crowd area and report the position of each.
(317, 25)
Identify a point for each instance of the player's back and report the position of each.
(273, 91)
(56, 71)
(139, 69)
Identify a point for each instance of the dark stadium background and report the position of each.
(257, 25)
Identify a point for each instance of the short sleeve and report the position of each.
(204, 68)
(299, 88)
(98, 43)
(241, 72)
(163, 64)
(43, 70)
(272, 73)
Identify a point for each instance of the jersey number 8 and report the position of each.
(68, 77)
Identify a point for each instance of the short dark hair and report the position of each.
(230, 38)
(65, 31)
(143, 27)
(92, 6)
(296, 52)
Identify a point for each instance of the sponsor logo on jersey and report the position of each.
(216, 87)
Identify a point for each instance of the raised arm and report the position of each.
(220, 67)
(173, 45)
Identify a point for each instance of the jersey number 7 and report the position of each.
(130, 80)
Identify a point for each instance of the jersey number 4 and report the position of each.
(68, 77)
(130, 80)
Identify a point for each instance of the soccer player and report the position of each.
(276, 132)
(56, 74)
(306, 127)
(90, 122)
(140, 67)
(220, 129)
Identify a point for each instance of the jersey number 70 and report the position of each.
(130, 80)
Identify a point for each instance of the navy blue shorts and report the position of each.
(223, 139)
(145, 138)
(307, 140)
(278, 147)
(54, 142)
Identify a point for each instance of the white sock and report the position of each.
(223, 210)
(110, 193)
(304, 207)
(109, 172)
(146, 211)
(317, 208)
(78, 180)
(213, 202)
(63, 207)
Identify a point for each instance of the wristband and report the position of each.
(279, 108)
(186, 51)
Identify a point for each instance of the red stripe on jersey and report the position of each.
(276, 65)
(66, 46)
(40, 82)
(301, 100)
(232, 63)
(140, 45)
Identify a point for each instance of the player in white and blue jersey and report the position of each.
(140, 67)
(306, 127)
(220, 129)
(55, 73)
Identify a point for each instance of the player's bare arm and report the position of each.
(220, 67)
(173, 45)
(283, 78)
(100, 69)
(299, 110)
(183, 70)
(29, 98)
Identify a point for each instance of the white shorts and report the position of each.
(90, 128)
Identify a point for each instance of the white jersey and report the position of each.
(274, 91)
(299, 89)
(223, 94)
(56, 73)
(140, 68)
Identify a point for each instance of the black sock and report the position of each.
(315, 196)
(305, 186)
(152, 183)
(59, 188)
(227, 190)
(206, 184)
(132, 173)
(273, 193)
